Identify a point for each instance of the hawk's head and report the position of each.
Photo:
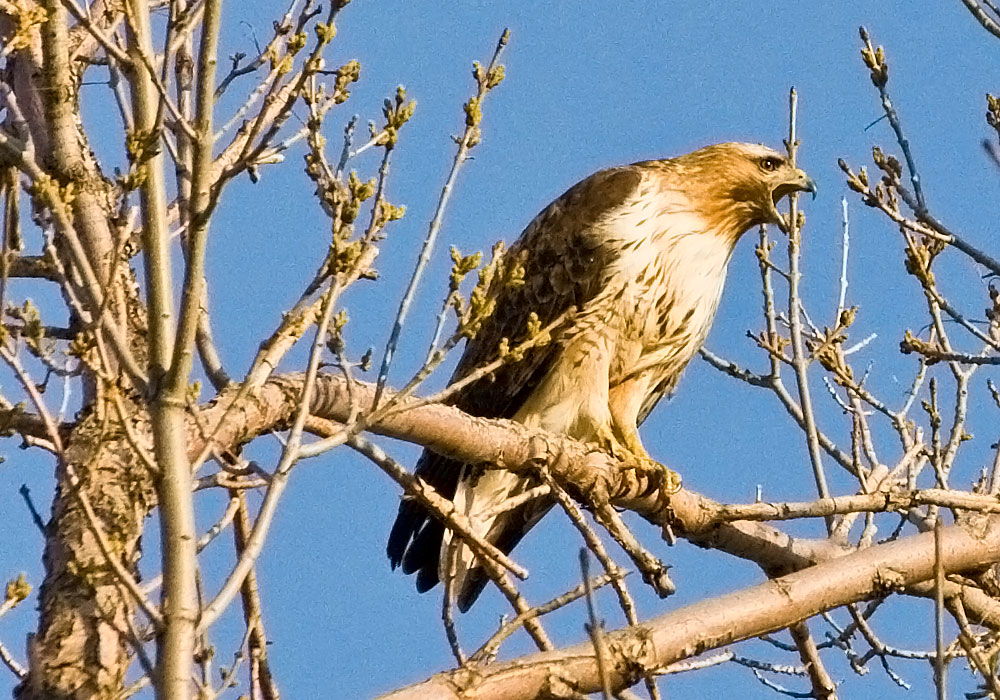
(736, 186)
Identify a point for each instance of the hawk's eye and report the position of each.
(769, 164)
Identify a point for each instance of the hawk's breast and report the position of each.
(669, 278)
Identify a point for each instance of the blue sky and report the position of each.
(588, 85)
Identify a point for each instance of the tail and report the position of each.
(415, 538)
(422, 545)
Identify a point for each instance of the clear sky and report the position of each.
(589, 85)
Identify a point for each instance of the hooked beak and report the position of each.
(808, 185)
(798, 181)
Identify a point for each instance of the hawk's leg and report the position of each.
(624, 403)
(626, 446)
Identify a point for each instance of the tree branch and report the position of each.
(710, 624)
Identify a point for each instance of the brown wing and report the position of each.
(564, 259)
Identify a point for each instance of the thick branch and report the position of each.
(583, 469)
(710, 624)
(66, 158)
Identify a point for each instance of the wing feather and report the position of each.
(565, 257)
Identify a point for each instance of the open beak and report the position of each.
(807, 184)
(797, 182)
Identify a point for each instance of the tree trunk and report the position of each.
(83, 649)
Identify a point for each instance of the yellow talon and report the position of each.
(610, 443)
(671, 481)
(628, 448)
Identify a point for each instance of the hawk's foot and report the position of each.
(671, 481)
(629, 450)
(607, 439)
(647, 466)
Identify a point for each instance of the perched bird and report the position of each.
(638, 256)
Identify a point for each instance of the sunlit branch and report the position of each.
(799, 360)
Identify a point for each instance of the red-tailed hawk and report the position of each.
(640, 252)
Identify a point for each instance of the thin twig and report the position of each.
(595, 627)
(878, 501)
(897, 128)
(594, 544)
(252, 609)
(36, 517)
(799, 359)
(467, 141)
(940, 663)
(13, 664)
(823, 687)
(489, 649)
(987, 22)
(289, 457)
(441, 507)
(968, 641)
(448, 606)
(845, 250)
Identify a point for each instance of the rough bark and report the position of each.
(81, 650)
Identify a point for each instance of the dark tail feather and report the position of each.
(410, 517)
(475, 582)
(424, 554)
(415, 543)
(415, 539)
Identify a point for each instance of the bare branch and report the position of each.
(799, 360)
(469, 138)
(823, 687)
(732, 617)
(979, 12)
